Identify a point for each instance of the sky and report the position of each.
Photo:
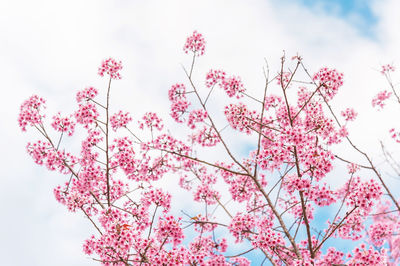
(53, 48)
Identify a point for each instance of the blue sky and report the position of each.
(359, 13)
(53, 48)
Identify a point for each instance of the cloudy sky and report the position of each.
(53, 48)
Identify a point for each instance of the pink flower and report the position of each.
(283, 79)
(349, 114)
(30, 112)
(353, 168)
(177, 92)
(240, 118)
(380, 98)
(206, 137)
(363, 256)
(119, 120)
(330, 80)
(266, 190)
(387, 68)
(169, 230)
(233, 86)
(332, 257)
(205, 193)
(379, 232)
(395, 135)
(111, 67)
(195, 43)
(151, 120)
(157, 197)
(63, 124)
(86, 114)
(196, 116)
(86, 94)
(215, 77)
(178, 109)
(241, 226)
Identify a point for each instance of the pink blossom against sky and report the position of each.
(53, 48)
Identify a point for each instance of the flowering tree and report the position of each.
(269, 199)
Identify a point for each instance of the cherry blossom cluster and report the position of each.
(264, 195)
(157, 197)
(86, 94)
(242, 226)
(362, 194)
(124, 156)
(380, 98)
(30, 112)
(378, 232)
(63, 124)
(168, 143)
(179, 102)
(395, 135)
(116, 240)
(44, 153)
(205, 193)
(151, 120)
(384, 231)
(119, 120)
(214, 77)
(349, 114)
(232, 85)
(240, 118)
(196, 116)
(268, 239)
(330, 81)
(177, 92)
(283, 79)
(353, 226)
(331, 257)
(111, 67)
(206, 137)
(195, 43)
(364, 256)
(39, 151)
(89, 155)
(169, 230)
(86, 114)
(387, 68)
(353, 168)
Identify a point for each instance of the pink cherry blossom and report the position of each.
(195, 43)
(380, 98)
(363, 256)
(119, 120)
(349, 114)
(395, 135)
(256, 175)
(151, 120)
(110, 67)
(214, 77)
(196, 116)
(86, 94)
(63, 124)
(86, 114)
(233, 86)
(330, 80)
(387, 68)
(30, 112)
(283, 80)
